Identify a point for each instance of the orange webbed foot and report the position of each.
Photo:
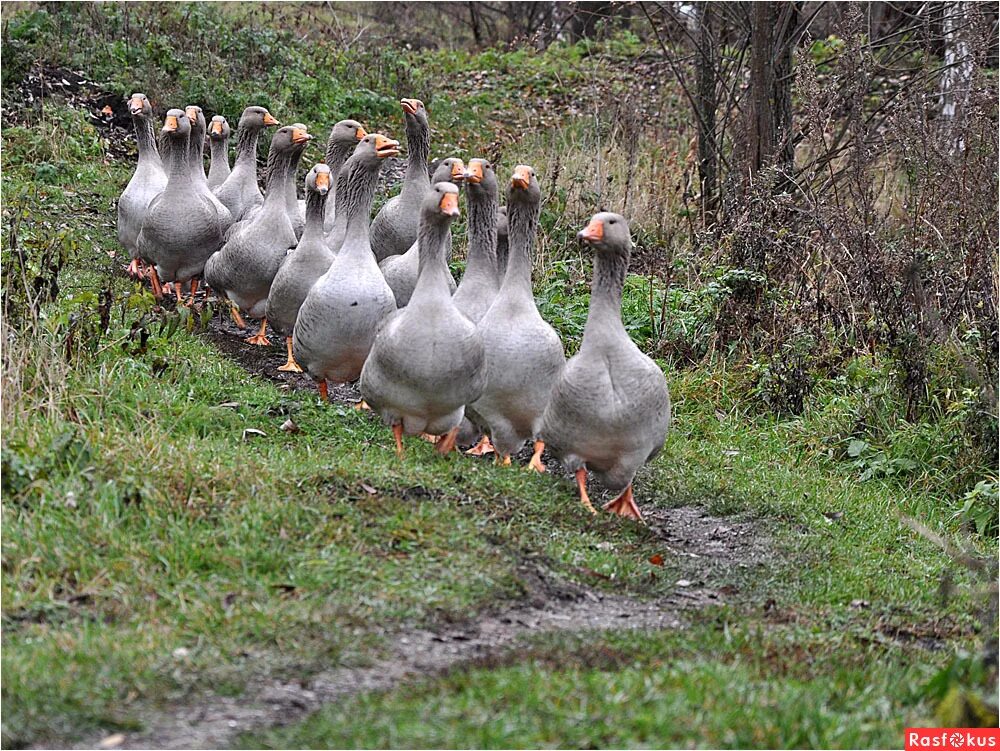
(260, 338)
(624, 505)
(482, 448)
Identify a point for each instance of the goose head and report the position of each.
(292, 138)
(375, 146)
(256, 117)
(318, 179)
(176, 126)
(607, 232)
(346, 134)
(441, 203)
(413, 108)
(139, 106)
(523, 186)
(480, 177)
(196, 116)
(219, 130)
(450, 170)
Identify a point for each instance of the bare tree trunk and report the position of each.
(477, 30)
(956, 80)
(770, 139)
(707, 103)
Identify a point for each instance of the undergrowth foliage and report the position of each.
(842, 308)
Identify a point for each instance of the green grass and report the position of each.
(720, 684)
(153, 549)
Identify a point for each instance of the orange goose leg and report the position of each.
(323, 393)
(447, 442)
(154, 281)
(234, 311)
(581, 483)
(290, 365)
(536, 458)
(397, 432)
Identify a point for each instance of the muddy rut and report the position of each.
(722, 546)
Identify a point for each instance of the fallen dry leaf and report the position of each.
(656, 560)
(106, 109)
(683, 583)
(111, 741)
(368, 489)
(252, 432)
(230, 405)
(290, 427)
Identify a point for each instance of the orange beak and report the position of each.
(474, 174)
(449, 204)
(300, 136)
(170, 124)
(269, 119)
(410, 106)
(458, 171)
(593, 232)
(522, 177)
(135, 105)
(385, 146)
(217, 127)
(192, 114)
(323, 182)
(361, 133)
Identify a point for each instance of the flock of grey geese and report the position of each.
(374, 301)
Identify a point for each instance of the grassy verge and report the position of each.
(155, 545)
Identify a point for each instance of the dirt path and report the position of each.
(551, 605)
(717, 547)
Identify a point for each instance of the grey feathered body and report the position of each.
(610, 409)
(245, 267)
(180, 232)
(147, 182)
(337, 321)
(524, 359)
(426, 364)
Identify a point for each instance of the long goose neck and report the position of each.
(315, 211)
(196, 150)
(355, 194)
(246, 145)
(605, 314)
(145, 136)
(482, 231)
(418, 146)
(220, 152)
(278, 167)
(336, 155)
(522, 221)
(432, 244)
(175, 151)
